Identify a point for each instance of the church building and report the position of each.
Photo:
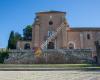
(51, 31)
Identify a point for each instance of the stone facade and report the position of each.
(46, 23)
(83, 38)
(24, 45)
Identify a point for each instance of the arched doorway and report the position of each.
(71, 46)
(27, 46)
(50, 45)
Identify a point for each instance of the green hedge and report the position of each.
(3, 55)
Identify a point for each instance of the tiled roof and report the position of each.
(86, 28)
(50, 12)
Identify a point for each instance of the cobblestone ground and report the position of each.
(49, 75)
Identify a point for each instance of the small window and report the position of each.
(37, 18)
(50, 33)
(88, 36)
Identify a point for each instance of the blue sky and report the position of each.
(16, 14)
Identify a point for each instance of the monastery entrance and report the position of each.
(50, 45)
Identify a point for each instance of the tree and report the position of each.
(17, 36)
(11, 41)
(14, 37)
(27, 33)
(3, 55)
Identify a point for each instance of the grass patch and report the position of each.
(49, 65)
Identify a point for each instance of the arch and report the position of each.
(71, 45)
(27, 46)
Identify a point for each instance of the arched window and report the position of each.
(27, 46)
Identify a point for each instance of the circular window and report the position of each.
(50, 23)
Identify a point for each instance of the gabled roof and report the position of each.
(50, 12)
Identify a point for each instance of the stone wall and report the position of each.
(20, 57)
(50, 56)
(69, 56)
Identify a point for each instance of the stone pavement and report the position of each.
(49, 75)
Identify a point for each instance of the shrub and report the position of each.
(3, 56)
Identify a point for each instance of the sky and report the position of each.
(16, 14)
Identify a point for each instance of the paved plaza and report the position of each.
(49, 75)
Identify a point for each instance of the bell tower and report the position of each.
(46, 24)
